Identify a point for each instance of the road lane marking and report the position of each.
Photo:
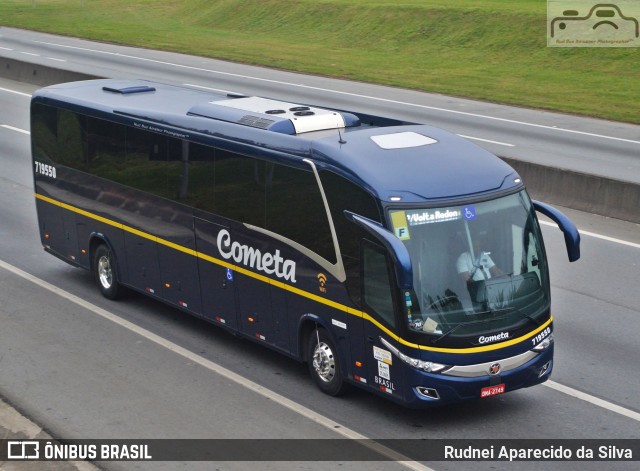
(592, 400)
(56, 59)
(6, 48)
(546, 223)
(272, 395)
(6, 126)
(487, 140)
(222, 371)
(387, 100)
(598, 236)
(212, 89)
(29, 54)
(14, 91)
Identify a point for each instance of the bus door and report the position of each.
(217, 282)
(384, 372)
(142, 263)
(254, 295)
(179, 270)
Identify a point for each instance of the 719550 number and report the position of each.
(46, 170)
(541, 336)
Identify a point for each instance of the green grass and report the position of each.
(491, 50)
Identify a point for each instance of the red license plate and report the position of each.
(492, 390)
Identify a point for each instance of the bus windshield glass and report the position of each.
(475, 267)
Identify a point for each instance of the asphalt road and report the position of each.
(586, 145)
(75, 367)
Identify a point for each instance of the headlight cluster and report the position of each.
(428, 366)
(542, 346)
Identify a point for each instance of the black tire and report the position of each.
(323, 364)
(105, 273)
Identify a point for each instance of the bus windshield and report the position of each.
(475, 266)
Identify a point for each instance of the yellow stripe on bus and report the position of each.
(293, 289)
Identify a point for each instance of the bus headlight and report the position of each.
(428, 366)
(542, 346)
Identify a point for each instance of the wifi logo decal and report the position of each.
(322, 280)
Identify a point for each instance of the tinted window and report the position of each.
(72, 139)
(192, 177)
(377, 283)
(295, 209)
(146, 165)
(44, 133)
(239, 190)
(280, 198)
(106, 150)
(343, 195)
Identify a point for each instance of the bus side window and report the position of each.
(147, 166)
(192, 178)
(44, 127)
(72, 140)
(344, 195)
(106, 150)
(376, 283)
(295, 210)
(239, 188)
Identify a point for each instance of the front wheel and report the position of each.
(323, 364)
(105, 273)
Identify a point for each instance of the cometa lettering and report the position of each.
(250, 257)
(493, 338)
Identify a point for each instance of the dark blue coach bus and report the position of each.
(389, 255)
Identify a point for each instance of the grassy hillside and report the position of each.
(492, 50)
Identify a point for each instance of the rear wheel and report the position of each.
(323, 364)
(105, 273)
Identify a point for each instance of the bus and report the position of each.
(387, 255)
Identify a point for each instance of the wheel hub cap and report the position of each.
(104, 272)
(323, 362)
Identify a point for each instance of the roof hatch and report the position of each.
(273, 115)
(402, 140)
(130, 90)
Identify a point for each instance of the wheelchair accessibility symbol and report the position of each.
(229, 274)
(469, 213)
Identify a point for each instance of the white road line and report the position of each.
(6, 126)
(461, 135)
(272, 395)
(6, 48)
(13, 91)
(435, 108)
(546, 223)
(598, 236)
(211, 88)
(487, 140)
(55, 59)
(593, 400)
(29, 54)
(222, 371)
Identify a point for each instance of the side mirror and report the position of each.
(395, 247)
(568, 228)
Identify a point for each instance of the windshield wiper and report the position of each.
(492, 311)
(479, 321)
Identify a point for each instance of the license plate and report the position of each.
(492, 390)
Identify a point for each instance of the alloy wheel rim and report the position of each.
(104, 272)
(324, 363)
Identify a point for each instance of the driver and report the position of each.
(477, 267)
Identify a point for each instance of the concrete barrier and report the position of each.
(585, 192)
(598, 195)
(37, 74)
